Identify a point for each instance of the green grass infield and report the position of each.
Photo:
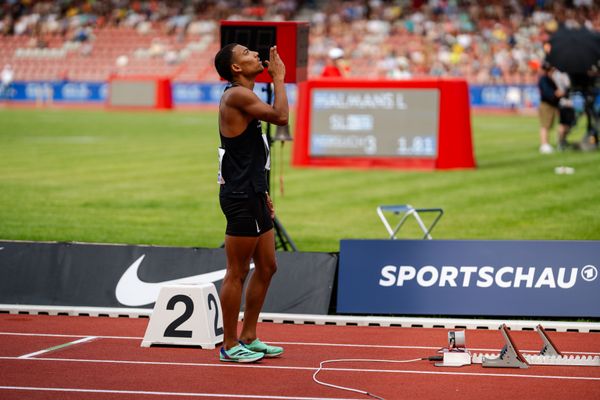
(151, 178)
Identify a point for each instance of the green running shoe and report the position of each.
(239, 354)
(260, 347)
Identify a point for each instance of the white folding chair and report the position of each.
(406, 210)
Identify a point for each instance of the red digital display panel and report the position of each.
(423, 124)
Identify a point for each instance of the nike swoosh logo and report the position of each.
(131, 291)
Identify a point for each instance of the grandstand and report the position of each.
(499, 42)
(143, 54)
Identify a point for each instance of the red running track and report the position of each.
(110, 364)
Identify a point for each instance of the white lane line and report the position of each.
(259, 366)
(58, 347)
(182, 394)
(381, 346)
(68, 335)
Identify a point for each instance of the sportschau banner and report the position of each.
(75, 274)
(486, 278)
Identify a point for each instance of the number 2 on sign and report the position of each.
(172, 330)
(213, 301)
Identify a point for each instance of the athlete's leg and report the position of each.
(239, 251)
(265, 266)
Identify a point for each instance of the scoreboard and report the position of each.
(421, 124)
(365, 122)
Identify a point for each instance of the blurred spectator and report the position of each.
(336, 66)
(82, 34)
(122, 61)
(549, 98)
(513, 97)
(566, 111)
(492, 42)
(8, 75)
(592, 112)
(394, 67)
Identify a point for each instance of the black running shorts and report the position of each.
(247, 217)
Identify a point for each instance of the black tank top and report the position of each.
(243, 162)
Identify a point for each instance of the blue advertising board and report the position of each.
(197, 93)
(208, 93)
(486, 278)
(59, 91)
(504, 96)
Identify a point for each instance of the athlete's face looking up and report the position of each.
(245, 60)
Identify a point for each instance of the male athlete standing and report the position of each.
(243, 164)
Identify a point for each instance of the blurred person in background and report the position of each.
(566, 111)
(513, 98)
(336, 66)
(394, 67)
(591, 91)
(548, 111)
(8, 75)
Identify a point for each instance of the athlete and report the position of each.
(243, 164)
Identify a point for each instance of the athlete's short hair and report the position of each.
(223, 62)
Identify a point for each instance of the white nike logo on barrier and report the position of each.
(133, 292)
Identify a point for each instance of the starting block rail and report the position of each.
(578, 360)
(511, 357)
(536, 359)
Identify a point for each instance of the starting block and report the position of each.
(549, 348)
(186, 315)
(510, 356)
(456, 355)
